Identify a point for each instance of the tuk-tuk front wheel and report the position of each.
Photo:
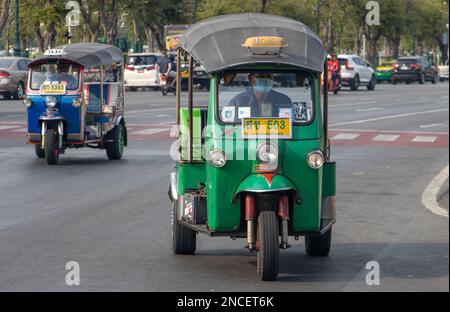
(184, 240)
(267, 246)
(318, 246)
(114, 149)
(40, 152)
(51, 149)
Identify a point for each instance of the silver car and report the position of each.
(13, 77)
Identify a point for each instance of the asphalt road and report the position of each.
(113, 218)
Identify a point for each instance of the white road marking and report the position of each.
(385, 137)
(20, 130)
(388, 117)
(345, 136)
(431, 125)
(369, 109)
(429, 196)
(391, 131)
(150, 131)
(424, 138)
(8, 127)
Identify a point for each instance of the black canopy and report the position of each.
(216, 43)
(86, 54)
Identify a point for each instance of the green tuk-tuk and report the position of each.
(254, 163)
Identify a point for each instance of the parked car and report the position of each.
(443, 71)
(384, 71)
(356, 72)
(140, 71)
(414, 68)
(13, 77)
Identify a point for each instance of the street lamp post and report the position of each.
(17, 32)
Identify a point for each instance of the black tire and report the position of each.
(133, 89)
(40, 152)
(354, 85)
(114, 149)
(164, 90)
(441, 79)
(268, 246)
(51, 148)
(184, 240)
(318, 246)
(372, 84)
(422, 78)
(19, 92)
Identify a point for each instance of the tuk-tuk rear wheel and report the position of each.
(114, 149)
(40, 153)
(51, 148)
(267, 246)
(318, 246)
(184, 240)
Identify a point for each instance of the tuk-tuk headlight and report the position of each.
(50, 101)
(217, 158)
(315, 159)
(267, 153)
(76, 102)
(27, 102)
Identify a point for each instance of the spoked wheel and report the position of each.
(267, 246)
(184, 240)
(318, 246)
(40, 152)
(164, 90)
(51, 149)
(20, 91)
(114, 149)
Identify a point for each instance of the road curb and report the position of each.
(432, 192)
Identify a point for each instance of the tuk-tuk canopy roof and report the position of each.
(217, 43)
(85, 54)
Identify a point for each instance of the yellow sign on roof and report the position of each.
(265, 42)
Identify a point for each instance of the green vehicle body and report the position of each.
(224, 186)
(384, 75)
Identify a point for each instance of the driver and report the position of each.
(261, 98)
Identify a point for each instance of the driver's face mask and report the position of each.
(263, 85)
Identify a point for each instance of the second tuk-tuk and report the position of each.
(255, 162)
(75, 98)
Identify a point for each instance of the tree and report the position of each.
(4, 15)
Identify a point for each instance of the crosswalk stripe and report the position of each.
(385, 137)
(20, 130)
(150, 131)
(423, 138)
(345, 136)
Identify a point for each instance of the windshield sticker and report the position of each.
(284, 113)
(228, 113)
(300, 111)
(244, 112)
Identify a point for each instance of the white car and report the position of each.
(355, 72)
(443, 71)
(140, 71)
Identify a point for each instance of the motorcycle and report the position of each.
(166, 84)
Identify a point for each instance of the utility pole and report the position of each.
(17, 32)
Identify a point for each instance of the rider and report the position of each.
(261, 98)
(164, 66)
(335, 68)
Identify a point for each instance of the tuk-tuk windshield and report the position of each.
(67, 74)
(261, 94)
